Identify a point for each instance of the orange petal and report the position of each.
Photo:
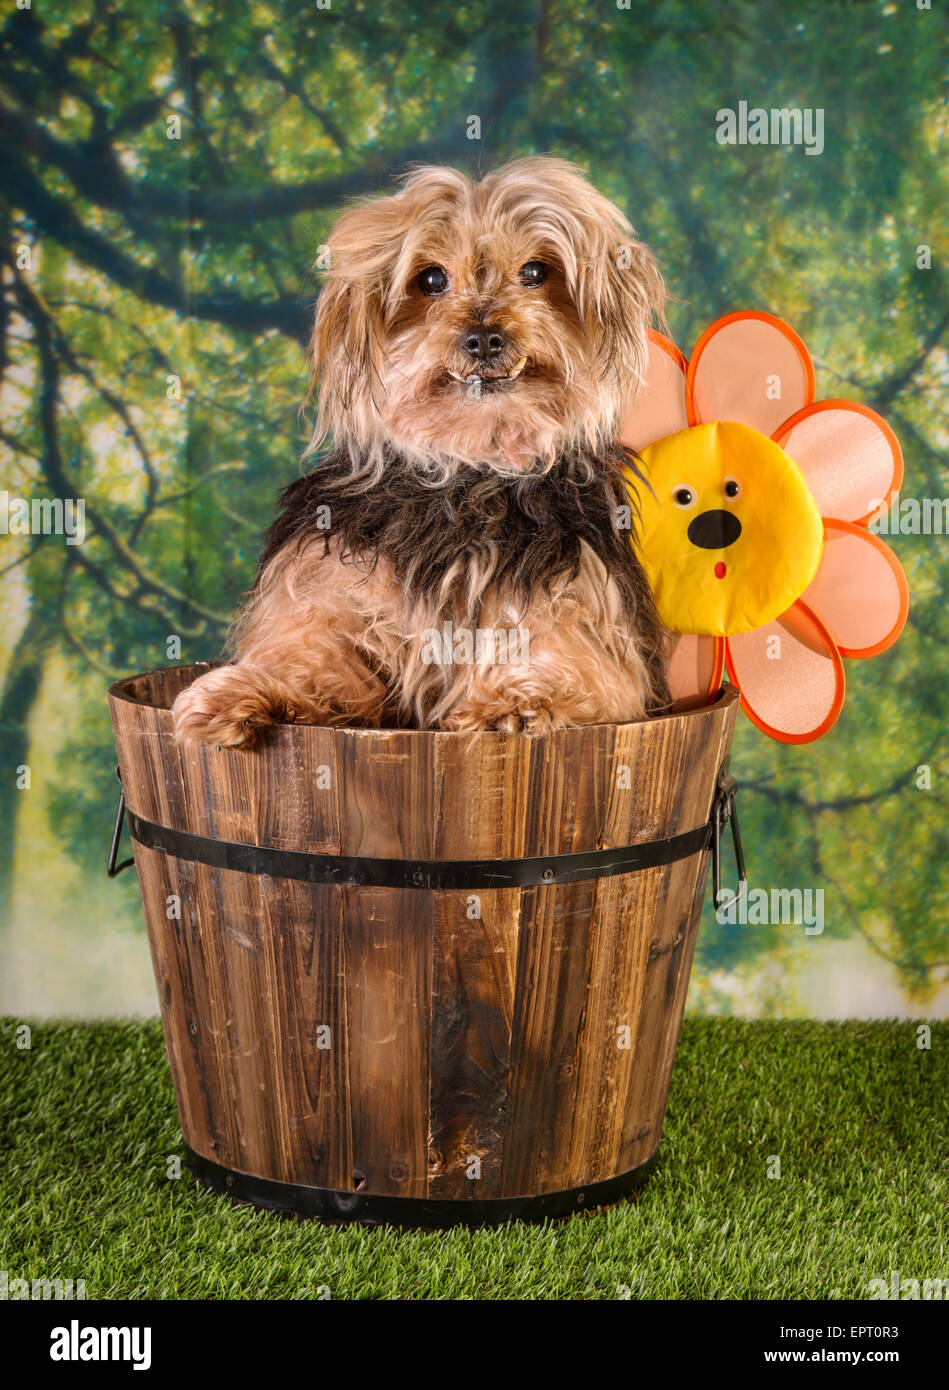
(658, 408)
(748, 367)
(859, 590)
(695, 669)
(790, 675)
(849, 456)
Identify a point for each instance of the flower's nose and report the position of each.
(714, 530)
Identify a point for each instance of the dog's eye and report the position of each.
(732, 487)
(532, 274)
(433, 280)
(683, 496)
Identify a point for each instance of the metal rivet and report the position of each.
(548, 875)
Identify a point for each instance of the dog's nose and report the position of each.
(483, 342)
(714, 530)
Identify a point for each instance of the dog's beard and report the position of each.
(515, 415)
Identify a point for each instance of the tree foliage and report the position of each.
(152, 260)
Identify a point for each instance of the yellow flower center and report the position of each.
(730, 533)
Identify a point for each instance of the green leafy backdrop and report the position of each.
(168, 172)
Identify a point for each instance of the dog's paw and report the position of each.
(228, 707)
(534, 721)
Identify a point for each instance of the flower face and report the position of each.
(754, 524)
(730, 533)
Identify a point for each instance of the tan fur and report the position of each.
(380, 348)
(320, 640)
(324, 644)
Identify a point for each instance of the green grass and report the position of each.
(857, 1115)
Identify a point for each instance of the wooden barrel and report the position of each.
(418, 977)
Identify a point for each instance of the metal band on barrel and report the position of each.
(344, 870)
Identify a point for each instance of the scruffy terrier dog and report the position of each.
(474, 348)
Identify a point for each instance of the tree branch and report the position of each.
(58, 220)
(791, 796)
(891, 386)
(102, 181)
(54, 469)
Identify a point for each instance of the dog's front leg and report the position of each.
(305, 653)
(229, 705)
(567, 660)
(558, 691)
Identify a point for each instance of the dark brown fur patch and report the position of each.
(526, 532)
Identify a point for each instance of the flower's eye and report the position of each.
(433, 280)
(683, 496)
(532, 274)
(732, 487)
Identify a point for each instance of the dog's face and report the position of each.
(499, 322)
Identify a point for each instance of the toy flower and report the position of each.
(754, 524)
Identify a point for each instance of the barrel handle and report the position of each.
(725, 813)
(112, 868)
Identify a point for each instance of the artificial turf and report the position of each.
(856, 1113)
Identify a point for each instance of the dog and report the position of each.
(475, 346)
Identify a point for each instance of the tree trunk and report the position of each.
(19, 693)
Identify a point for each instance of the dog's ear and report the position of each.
(611, 277)
(372, 252)
(619, 292)
(349, 329)
(631, 300)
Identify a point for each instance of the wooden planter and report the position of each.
(440, 989)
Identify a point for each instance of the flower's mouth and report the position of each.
(720, 569)
(483, 381)
(714, 530)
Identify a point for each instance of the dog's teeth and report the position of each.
(515, 371)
